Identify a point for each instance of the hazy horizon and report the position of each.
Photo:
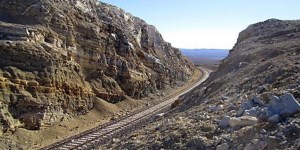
(204, 49)
(197, 24)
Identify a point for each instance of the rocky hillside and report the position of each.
(58, 57)
(251, 102)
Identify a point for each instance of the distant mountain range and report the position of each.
(203, 56)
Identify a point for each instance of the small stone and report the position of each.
(255, 141)
(249, 146)
(262, 145)
(256, 136)
(159, 116)
(279, 134)
(269, 79)
(157, 128)
(116, 140)
(261, 89)
(213, 108)
(231, 107)
(263, 131)
(240, 147)
(224, 98)
(224, 122)
(263, 136)
(207, 117)
(243, 64)
(113, 118)
(274, 119)
(281, 128)
(272, 137)
(217, 140)
(283, 143)
(223, 146)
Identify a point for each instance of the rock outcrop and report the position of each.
(56, 57)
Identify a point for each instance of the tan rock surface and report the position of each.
(58, 58)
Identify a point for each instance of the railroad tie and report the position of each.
(63, 148)
(78, 142)
(72, 144)
(97, 133)
(93, 136)
(85, 139)
(105, 130)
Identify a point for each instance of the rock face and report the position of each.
(57, 56)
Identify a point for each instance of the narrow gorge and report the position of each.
(251, 102)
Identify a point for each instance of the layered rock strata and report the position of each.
(57, 56)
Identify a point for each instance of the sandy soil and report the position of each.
(102, 113)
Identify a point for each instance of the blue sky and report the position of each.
(206, 24)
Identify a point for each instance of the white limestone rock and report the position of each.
(242, 121)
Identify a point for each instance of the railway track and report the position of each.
(93, 138)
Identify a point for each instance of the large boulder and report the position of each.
(285, 105)
(277, 108)
(290, 104)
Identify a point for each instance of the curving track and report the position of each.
(93, 138)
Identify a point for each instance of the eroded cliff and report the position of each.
(57, 56)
